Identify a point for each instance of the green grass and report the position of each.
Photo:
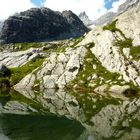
(86, 102)
(25, 46)
(18, 74)
(127, 43)
(87, 71)
(111, 27)
(135, 52)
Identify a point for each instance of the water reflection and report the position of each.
(19, 127)
(101, 117)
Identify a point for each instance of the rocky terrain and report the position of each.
(127, 5)
(41, 24)
(104, 60)
(83, 16)
(93, 79)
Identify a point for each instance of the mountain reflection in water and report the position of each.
(61, 115)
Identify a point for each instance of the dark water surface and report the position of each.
(61, 115)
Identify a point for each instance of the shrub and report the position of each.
(4, 82)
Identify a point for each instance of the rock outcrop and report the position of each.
(20, 58)
(110, 55)
(41, 24)
(57, 70)
(127, 5)
(128, 23)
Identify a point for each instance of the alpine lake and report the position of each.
(68, 115)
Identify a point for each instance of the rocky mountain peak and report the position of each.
(83, 16)
(38, 24)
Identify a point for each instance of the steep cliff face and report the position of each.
(1, 24)
(104, 60)
(127, 5)
(41, 24)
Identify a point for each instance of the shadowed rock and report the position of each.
(41, 24)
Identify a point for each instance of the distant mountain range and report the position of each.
(108, 17)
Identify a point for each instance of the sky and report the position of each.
(93, 8)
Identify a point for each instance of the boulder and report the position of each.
(119, 89)
(4, 71)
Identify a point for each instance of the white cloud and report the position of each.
(10, 7)
(116, 5)
(93, 8)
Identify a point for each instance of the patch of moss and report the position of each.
(55, 48)
(127, 43)
(135, 52)
(86, 72)
(25, 46)
(18, 73)
(92, 103)
(111, 27)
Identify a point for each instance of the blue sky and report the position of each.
(108, 3)
(38, 2)
(93, 8)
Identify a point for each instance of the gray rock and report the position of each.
(3, 68)
(105, 19)
(58, 69)
(83, 16)
(4, 71)
(128, 23)
(119, 89)
(1, 25)
(20, 58)
(102, 89)
(128, 4)
(39, 24)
